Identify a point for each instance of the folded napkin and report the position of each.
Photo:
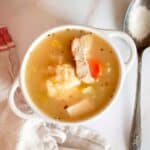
(50, 136)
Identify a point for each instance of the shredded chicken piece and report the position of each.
(80, 50)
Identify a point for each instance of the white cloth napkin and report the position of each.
(50, 136)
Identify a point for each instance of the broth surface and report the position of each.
(53, 53)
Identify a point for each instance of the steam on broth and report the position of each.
(66, 86)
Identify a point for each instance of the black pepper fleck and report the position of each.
(62, 52)
(111, 96)
(66, 106)
(81, 31)
(101, 49)
(106, 83)
(53, 34)
(90, 33)
(67, 29)
(101, 84)
(70, 42)
(70, 96)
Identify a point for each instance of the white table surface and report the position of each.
(27, 19)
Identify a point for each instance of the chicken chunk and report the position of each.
(81, 50)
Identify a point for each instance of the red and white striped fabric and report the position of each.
(9, 62)
(6, 41)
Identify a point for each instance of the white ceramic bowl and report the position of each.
(108, 35)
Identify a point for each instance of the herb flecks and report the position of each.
(57, 118)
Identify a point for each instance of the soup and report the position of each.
(72, 75)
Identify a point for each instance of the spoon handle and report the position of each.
(135, 135)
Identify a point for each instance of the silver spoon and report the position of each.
(135, 135)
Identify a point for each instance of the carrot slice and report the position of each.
(95, 67)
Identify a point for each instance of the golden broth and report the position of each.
(55, 50)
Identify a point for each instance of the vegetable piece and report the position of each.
(80, 108)
(95, 67)
(88, 90)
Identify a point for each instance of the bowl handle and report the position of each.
(12, 103)
(128, 40)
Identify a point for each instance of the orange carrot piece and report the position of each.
(95, 67)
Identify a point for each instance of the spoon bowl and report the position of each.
(141, 25)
